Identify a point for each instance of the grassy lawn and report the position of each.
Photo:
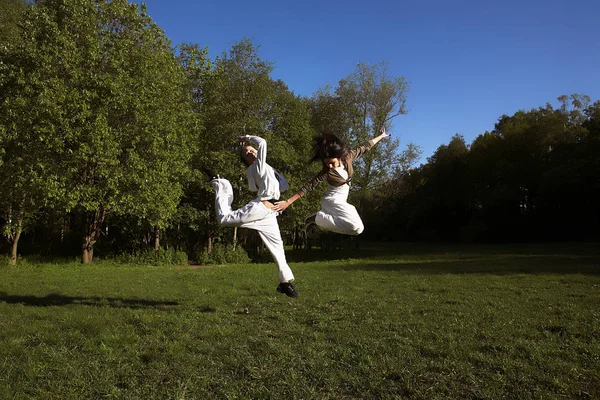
(385, 322)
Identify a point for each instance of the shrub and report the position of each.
(153, 257)
(223, 254)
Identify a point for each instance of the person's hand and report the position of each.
(383, 134)
(269, 205)
(242, 140)
(280, 206)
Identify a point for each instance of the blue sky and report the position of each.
(467, 62)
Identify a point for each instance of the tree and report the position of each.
(108, 99)
(25, 174)
(385, 211)
(11, 12)
(193, 213)
(238, 95)
(373, 98)
(361, 105)
(290, 150)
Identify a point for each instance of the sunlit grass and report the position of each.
(417, 322)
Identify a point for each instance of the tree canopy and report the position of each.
(106, 128)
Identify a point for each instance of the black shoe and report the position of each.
(210, 174)
(288, 289)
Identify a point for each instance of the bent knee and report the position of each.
(357, 230)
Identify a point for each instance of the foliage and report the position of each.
(158, 257)
(105, 132)
(534, 177)
(96, 86)
(10, 15)
(356, 110)
(223, 254)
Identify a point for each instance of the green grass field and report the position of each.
(400, 321)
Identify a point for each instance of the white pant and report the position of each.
(253, 215)
(337, 215)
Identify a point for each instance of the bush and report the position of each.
(223, 254)
(154, 257)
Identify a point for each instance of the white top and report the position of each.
(262, 178)
(339, 192)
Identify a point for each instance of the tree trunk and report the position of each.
(234, 237)
(156, 238)
(15, 234)
(209, 241)
(93, 228)
(15, 243)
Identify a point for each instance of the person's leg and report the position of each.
(223, 198)
(255, 215)
(339, 217)
(228, 217)
(268, 229)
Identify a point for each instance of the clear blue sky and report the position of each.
(467, 62)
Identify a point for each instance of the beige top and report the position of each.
(332, 176)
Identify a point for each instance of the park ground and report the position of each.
(388, 321)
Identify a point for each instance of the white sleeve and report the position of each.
(251, 183)
(261, 152)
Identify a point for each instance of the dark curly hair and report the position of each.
(328, 146)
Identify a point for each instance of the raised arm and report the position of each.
(382, 135)
(359, 151)
(261, 152)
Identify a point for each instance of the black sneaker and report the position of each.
(210, 174)
(288, 289)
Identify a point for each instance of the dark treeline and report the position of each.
(535, 177)
(105, 128)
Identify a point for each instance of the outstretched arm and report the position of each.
(282, 205)
(382, 135)
(359, 151)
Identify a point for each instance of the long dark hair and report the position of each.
(328, 146)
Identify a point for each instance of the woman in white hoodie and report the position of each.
(259, 214)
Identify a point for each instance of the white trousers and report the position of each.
(337, 215)
(253, 215)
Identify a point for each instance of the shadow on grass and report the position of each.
(450, 251)
(500, 265)
(54, 299)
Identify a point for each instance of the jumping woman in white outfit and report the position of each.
(336, 214)
(260, 213)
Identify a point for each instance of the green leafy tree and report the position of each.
(362, 104)
(26, 178)
(11, 12)
(238, 96)
(192, 219)
(385, 211)
(107, 97)
(290, 153)
(372, 99)
(357, 109)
